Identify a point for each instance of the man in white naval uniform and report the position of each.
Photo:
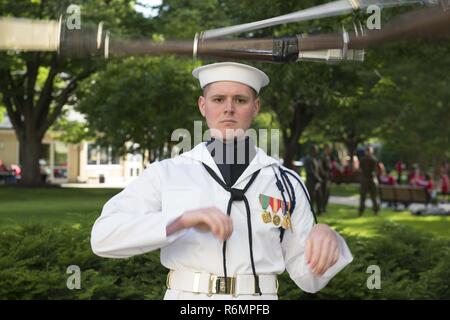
(225, 232)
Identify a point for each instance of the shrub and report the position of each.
(413, 265)
(34, 260)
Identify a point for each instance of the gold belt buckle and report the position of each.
(221, 285)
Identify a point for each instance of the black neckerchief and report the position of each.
(232, 158)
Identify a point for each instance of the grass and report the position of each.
(346, 219)
(51, 205)
(344, 190)
(76, 206)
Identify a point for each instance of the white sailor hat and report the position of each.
(231, 71)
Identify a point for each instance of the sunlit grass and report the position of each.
(51, 205)
(77, 207)
(346, 219)
(344, 190)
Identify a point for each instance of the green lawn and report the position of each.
(82, 206)
(51, 205)
(346, 219)
(344, 189)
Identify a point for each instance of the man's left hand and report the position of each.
(322, 249)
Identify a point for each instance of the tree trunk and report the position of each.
(290, 150)
(30, 148)
(302, 118)
(30, 110)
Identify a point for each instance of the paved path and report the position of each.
(354, 201)
(119, 185)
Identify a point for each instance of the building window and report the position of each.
(115, 159)
(92, 154)
(60, 155)
(104, 155)
(99, 155)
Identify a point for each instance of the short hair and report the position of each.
(254, 93)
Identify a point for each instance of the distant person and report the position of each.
(416, 178)
(356, 164)
(3, 168)
(325, 174)
(387, 178)
(335, 167)
(427, 183)
(368, 167)
(399, 166)
(16, 170)
(444, 183)
(347, 170)
(313, 179)
(381, 170)
(6, 174)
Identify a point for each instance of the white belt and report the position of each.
(199, 282)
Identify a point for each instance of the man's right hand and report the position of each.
(204, 219)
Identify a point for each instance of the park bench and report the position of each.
(7, 177)
(403, 194)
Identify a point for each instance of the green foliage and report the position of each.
(34, 261)
(181, 19)
(419, 113)
(36, 86)
(399, 95)
(140, 101)
(71, 131)
(413, 266)
(51, 205)
(2, 110)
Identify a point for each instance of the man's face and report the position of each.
(229, 108)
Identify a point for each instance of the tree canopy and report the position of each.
(398, 96)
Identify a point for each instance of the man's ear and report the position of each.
(256, 108)
(201, 105)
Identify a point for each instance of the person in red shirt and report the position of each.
(399, 166)
(334, 168)
(416, 177)
(387, 179)
(427, 183)
(3, 168)
(444, 184)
